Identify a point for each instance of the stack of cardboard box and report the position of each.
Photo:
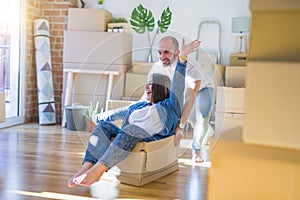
(229, 111)
(91, 54)
(272, 99)
(262, 161)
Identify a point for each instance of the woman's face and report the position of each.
(148, 89)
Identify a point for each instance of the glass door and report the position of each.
(11, 61)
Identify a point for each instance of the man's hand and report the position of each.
(186, 49)
(178, 136)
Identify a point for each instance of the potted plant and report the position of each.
(90, 115)
(142, 21)
(100, 4)
(118, 24)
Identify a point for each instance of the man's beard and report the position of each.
(168, 62)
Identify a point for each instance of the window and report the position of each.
(11, 60)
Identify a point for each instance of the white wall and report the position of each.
(187, 15)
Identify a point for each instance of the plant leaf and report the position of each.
(165, 20)
(96, 108)
(142, 19)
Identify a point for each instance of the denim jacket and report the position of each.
(169, 110)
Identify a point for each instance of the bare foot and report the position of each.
(197, 157)
(86, 166)
(91, 176)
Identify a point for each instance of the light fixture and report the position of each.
(240, 25)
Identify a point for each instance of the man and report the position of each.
(199, 93)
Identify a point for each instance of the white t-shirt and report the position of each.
(147, 118)
(193, 72)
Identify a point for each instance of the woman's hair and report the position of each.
(160, 87)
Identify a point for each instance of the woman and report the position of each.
(145, 121)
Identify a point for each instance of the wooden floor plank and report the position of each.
(37, 161)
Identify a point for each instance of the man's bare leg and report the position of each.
(86, 166)
(91, 176)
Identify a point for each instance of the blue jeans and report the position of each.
(102, 149)
(199, 118)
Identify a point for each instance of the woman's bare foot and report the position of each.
(86, 166)
(91, 176)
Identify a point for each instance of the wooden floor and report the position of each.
(36, 162)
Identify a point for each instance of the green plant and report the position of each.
(142, 20)
(100, 1)
(118, 20)
(91, 112)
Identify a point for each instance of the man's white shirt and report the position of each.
(193, 72)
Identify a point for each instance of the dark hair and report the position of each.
(160, 87)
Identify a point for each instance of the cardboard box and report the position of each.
(274, 31)
(274, 5)
(238, 59)
(230, 99)
(2, 107)
(139, 67)
(88, 19)
(114, 104)
(243, 171)
(275, 20)
(135, 85)
(140, 179)
(272, 104)
(149, 161)
(235, 76)
(228, 125)
(97, 50)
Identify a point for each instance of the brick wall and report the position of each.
(31, 101)
(56, 12)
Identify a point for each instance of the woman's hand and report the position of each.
(186, 49)
(178, 136)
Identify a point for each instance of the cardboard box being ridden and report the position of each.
(149, 161)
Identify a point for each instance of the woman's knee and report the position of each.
(106, 128)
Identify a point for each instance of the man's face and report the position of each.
(167, 54)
